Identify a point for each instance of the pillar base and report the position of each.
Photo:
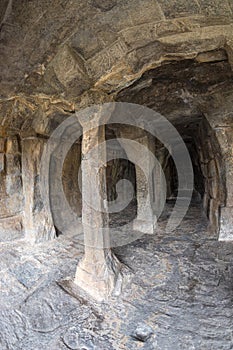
(145, 226)
(101, 280)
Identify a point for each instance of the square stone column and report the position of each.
(99, 271)
(38, 221)
(146, 220)
(11, 191)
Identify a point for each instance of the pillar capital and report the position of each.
(95, 116)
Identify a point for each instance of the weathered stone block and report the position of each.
(189, 44)
(13, 164)
(104, 5)
(14, 203)
(143, 332)
(101, 63)
(211, 56)
(143, 55)
(3, 9)
(204, 170)
(11, 228)
(214, 214)
(144, 11)
(208, 149)
(2, 145)
(2, 162)
(96, 43)
(12, 145)
(11, 196)
(28, 273)
(178, 8)
(225, 138)
(175, 26)
(44, 124)
(13, 184)
(132, 13)
(229, 181)
(221, 117)
(212, 169)
(140, 35)
(214, 188)
(206, 202)
(215, 7)
(226, 224)
(231, 5)
(70, 71)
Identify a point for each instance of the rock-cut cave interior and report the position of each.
(116, 174)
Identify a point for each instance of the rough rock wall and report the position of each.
(221, 121)
(212, 166)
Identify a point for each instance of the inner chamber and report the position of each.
(176, 91)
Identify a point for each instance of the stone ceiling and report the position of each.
(33, 33)
(63, 55)
(181, 91)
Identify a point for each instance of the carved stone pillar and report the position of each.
(159, 181)
(99, 271)
(146, 220)
(11, 194)
(37, 221)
